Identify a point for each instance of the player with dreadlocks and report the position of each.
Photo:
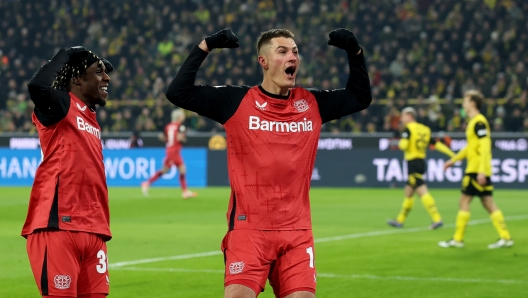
(67, 223)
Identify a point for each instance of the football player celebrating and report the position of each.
(272, 134)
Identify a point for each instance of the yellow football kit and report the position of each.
(414, 141)
(478, 155)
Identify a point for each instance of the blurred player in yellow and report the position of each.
(476, 181)
(414, 141)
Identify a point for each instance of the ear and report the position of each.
(263, 61)
(76, 81)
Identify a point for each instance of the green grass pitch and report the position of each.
(164, 246)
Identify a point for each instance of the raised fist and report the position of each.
(344, 39)
(224, 38)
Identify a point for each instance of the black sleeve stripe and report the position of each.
(480, 130)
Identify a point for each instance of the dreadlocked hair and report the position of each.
(75, 67)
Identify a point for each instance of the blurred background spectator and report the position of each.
(424, 53)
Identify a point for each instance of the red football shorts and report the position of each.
(173, 159)
(68, 263)
(285, 257)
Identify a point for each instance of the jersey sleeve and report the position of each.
(441, 147)
(356, 96)
(480, 130)
(403, 144)
(51, 105)
(484, 141)
(460, 155)
(215, 102)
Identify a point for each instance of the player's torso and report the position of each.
(71, 173)
(473, 145)
(418, 141)
(272, 145)
(171, 132)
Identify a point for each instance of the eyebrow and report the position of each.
(285, 47)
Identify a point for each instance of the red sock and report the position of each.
(183, 183)
(155, 177)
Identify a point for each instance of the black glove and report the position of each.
(109, 67)
(77, 56)
(222, 39)
(344, 39)
(77, 52)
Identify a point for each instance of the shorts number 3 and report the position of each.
(101, 267)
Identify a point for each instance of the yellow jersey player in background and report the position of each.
(476, 181)
(414, 141)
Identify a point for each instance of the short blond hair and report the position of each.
(177, 115)
(409, 110)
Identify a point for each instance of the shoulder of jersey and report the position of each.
(481, 118)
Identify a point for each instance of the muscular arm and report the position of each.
(218, 103)
(356, 96)
(51, 105)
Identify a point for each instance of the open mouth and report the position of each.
(290, 71)
(104, 89)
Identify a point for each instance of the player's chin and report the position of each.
(101, 102)
(290, 82)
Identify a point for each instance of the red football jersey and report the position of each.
(272, 145)
(69, 191)
(171, 135)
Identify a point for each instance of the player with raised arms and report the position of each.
(272, 134)
(68, 220)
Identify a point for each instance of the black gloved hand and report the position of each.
(77, 56)
(224, 38)
(344, 39)
(78, 52)
(108, 66)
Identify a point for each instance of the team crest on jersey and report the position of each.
(79, 107)
(236, 267)
(62, 282)
(261, 106)
(301, 105)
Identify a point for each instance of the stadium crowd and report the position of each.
(420, 52)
